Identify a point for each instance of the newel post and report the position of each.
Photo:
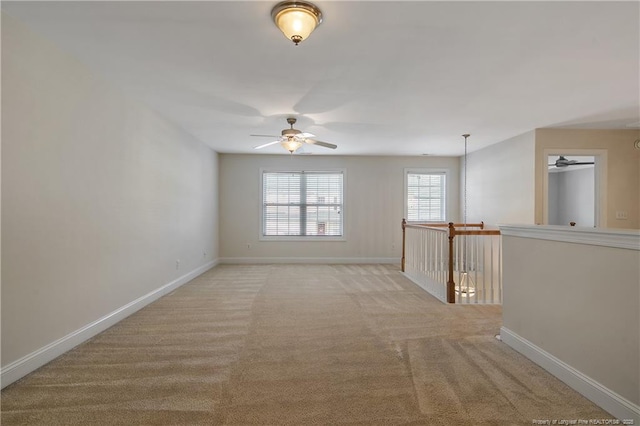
(451, 294)
(404, 226)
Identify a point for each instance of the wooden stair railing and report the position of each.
(454, 229)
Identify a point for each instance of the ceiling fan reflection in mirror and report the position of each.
(562, 161)
(292, 139)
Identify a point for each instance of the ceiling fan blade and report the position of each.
(266, 136)
(266, 145)
(303, 151)
(307, 135)
(563, 162)
(320, 143)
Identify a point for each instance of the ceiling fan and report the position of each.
(292, 139)
(563, 162)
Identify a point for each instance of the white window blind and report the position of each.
(302, 203)
(426, 196)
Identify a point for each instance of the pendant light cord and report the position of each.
(465, 180)
(466, 241)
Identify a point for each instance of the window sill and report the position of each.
(300, 238)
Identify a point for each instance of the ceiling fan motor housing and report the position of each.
(290, 132)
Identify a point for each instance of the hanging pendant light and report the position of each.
(467, 287)
(296, 19)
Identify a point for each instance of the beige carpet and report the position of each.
(298, 345)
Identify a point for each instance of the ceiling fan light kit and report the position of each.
(296, 19)
(291, 145)
(291, 137)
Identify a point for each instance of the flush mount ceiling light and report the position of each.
(296, 19)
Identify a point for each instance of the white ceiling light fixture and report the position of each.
(291, 144)
(296, 19)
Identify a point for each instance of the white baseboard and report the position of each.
(40, 357)
(315, 260)
(604, 397)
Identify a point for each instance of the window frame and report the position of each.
(343, 237)
(445, 198)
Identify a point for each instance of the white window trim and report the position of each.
(446, 173)
(303, 238)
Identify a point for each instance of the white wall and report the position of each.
(571, 298)
(373, 207)
(554, 199)
(100, 197)
(500, 182)
(576, 189)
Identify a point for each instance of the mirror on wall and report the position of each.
(572, 190)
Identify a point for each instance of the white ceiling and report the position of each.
(376, 77)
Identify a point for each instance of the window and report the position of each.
(425, 196)
(302, 204)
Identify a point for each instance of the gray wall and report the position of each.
(100, 196)
(374, 200)
(500, 182)
(572, 197)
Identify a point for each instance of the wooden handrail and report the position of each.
(446, 225)
(404, 227)
(451, 285)
(450, 229)
(480, 232)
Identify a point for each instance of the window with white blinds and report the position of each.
(302, 204)
(425, 196)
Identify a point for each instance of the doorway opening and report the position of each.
(575, 187)
(571, 196)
